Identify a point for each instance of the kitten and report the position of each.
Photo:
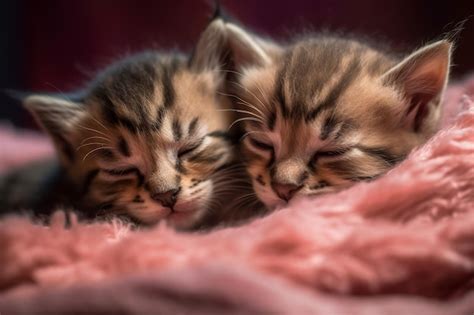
(147, 139)
(324, 112)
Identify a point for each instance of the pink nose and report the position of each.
(285, 191)
(167, 198)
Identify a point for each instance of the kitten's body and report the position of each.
(324, 111)
(147, 139)
(41, 186)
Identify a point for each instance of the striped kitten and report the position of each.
(324, 112)
(148, 140)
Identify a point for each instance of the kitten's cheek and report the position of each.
(270, 200)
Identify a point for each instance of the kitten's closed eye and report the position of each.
(121, 172)
(333, 153)
(125, 172)
(190, 148)
(261, 145)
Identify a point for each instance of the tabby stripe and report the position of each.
(138, 199)
(168, 89)
(128, 124)
(383, 154)
(271, 162)
(108, 108)
(122, 172)
(88, 180)
(160, 116)
(328, 127)
(106, 154)
(343, 169)
(220, 134)
(123, 147)
(349, 75)
(179, 166)
(140, 176)
(260, 180)
(205, 158)
(177, 133)
(345, 127)
(280, 94)
(192, 126)
(111, 115)
(271, 120)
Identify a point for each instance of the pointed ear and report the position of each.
(209, 52)
(59, 118)
(248, 49)
(222, 39)
(422, 78)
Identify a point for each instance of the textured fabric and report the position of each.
(403, 244)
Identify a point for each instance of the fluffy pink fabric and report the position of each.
(20, 147)
(408, 235)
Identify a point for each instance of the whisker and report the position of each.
(241, 111)
(97, 121)
(248, 133)
(243, 102)
(93, 130)
(244, 119)
(249, 91)
(87, 144)
(96, 149)
(95, 137)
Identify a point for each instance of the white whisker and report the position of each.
(87, 144)
(95, 137)
(96, 149)
(93, 130)
(248, 133)
(241, 111)
(247, 90)
(244, 119)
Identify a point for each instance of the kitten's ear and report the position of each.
(211, 47)
(422, 78)
(222, 39)
(248, 49)
(58, 117)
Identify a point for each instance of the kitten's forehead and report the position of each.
(316, 72)
(149, 91)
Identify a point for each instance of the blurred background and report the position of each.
(57, 45)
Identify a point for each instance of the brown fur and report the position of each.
(324, 111)
(148, 129)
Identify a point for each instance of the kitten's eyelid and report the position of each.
(190, 147)
(121, 171)
(336, 152)
(260, 144)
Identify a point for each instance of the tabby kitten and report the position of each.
(148, 139)
(324, 112)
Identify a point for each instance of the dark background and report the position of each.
(56, 45)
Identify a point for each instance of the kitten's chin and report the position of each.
(183, 220)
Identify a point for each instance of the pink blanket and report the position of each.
(403, 244)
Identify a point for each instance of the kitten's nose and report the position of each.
(285, 191)
(167, 198)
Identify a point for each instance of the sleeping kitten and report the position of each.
(147, 139)
(324, 112)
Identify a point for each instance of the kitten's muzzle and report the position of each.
(167, 198)
(285, 191)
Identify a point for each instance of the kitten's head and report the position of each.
(148, 140)
(325, 112)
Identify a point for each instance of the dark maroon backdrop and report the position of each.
(58, 44)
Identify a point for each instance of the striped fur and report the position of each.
(324, 111)
(146, 140)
